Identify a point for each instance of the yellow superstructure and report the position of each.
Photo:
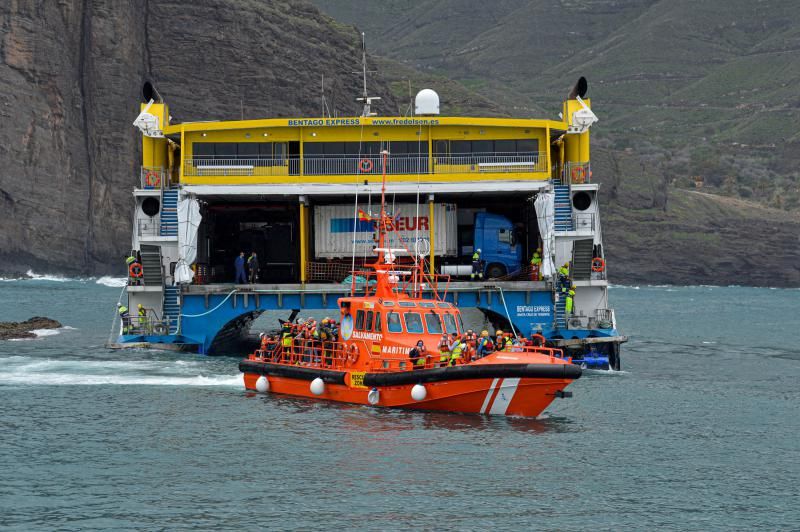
(334, 150)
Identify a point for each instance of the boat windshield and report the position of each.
(460, 323)
(449, 323)
(393, 322)
(378, 322)
(434, 323)
(413, 322)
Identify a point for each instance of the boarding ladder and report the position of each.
(172, 308)
(169, 212)
(563, 208)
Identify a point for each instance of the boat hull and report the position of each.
(502, 391)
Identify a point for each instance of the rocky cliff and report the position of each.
(70, 79)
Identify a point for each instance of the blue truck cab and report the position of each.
(495, 237)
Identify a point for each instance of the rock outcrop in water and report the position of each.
(70, 79)
(12, 330)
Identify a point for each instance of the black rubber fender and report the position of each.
(292, 372)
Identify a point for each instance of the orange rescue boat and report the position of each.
(386, 352)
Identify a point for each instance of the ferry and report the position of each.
(507, 207)
(386, 352)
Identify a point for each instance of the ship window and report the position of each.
(248, 150)
(434, 323)
(407, 304)
(203, 149)
(460, 323)
(388, 303)
(413, 322)
(460, 147)
(313, 149)
(377, 322)
(482, 146)
(360, 320)
(225, 149)
(368, 326)
(443, 305)
(440, 148)
(527, 146)
(449, 323)
(393, 322)
(505, 146)
(427, 304)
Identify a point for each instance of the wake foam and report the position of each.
(20, 370)
(114, 282)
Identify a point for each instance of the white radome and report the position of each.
(426, 102)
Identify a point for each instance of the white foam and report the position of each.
(45, 332)
(114, 282)
(47, 277)
(54, 372)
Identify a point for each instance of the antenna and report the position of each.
(366, 98)
(326, 111)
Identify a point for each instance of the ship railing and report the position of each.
(491, 163)
(309, 352)
(327, 271)
(583, 221)
(148, 227)
(606, 319)
(577, 173)
(153, 178)
(239, 166)
(149, 325)
(383, 363)
(366, 165)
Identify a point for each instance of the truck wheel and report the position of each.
(495, 270)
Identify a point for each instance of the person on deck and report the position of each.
(536, 265)
(417, 355)
(241, 277)
(569, 303)
(124, 316)
(457, 349)
(476, 265)
(485, 345)
(563, 277)
(444, 350)
(252, 266)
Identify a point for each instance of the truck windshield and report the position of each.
(413, 322)
(449, 323)
(393, 322)
(434, 323)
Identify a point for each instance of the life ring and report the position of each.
(598, 264)
(352, 354)
(578, 174)
(539, 338)
(135, 270)
(152, 179)
(365, 165)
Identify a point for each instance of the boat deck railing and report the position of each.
(335, 355)
(150, 325)
(350, 164)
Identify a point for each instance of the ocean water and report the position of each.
(699, 431)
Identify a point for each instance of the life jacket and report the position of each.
(476, 257)
(286, 339)
(123, 311)
(455, 354)
(536, 259)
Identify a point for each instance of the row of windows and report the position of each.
(434, 323)
(442, 148)
(454, 148)
(241, 150)
(397, 148)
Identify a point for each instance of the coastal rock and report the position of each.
(23, 329)
(70, 86)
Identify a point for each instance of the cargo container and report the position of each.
(337, 227)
